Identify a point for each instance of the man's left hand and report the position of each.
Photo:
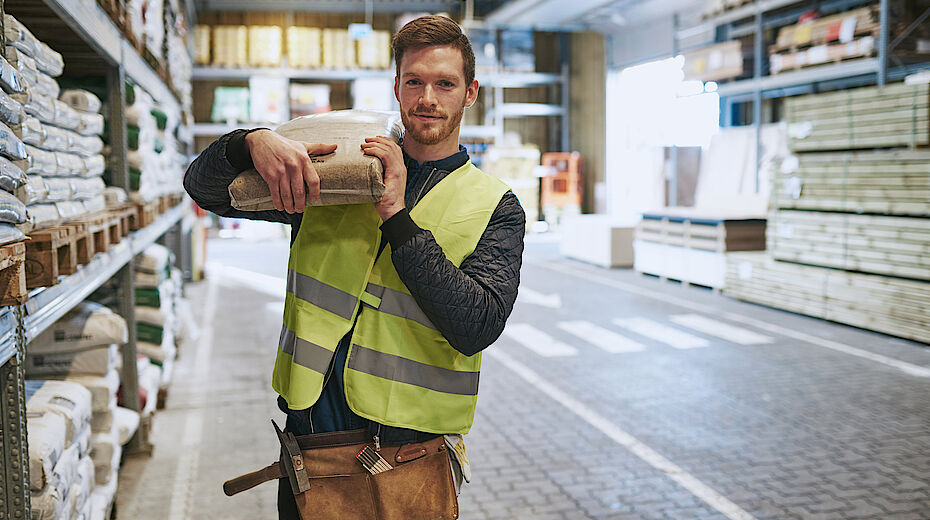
(395, 174)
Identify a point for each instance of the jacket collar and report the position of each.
(449, 164)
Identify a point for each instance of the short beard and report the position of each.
(433, 136)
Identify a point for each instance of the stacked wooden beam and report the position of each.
(862, 118)
(893, 182)
(849, 232)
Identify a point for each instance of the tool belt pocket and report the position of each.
(418, 486)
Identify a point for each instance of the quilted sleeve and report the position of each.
(471, 303)
(208, 177)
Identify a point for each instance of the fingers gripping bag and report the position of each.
(347, 176)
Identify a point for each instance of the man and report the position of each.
(449, 253)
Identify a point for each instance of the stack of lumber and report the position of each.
(889, 245)
(891, 305)
(691, 245)
(715, 62)
(893, 182)
(849, 237)
(868, 117)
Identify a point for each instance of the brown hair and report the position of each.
(430, 30)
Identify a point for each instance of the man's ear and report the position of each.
(396, 88)
(471, 93)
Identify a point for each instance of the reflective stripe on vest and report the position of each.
(304, 353)
(402, 370)
(320, 294)
(395, 303)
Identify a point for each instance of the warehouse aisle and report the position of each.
(610, 395)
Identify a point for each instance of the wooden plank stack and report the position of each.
(851, 34)
(849, 231)
(893, 182)
(715, 62)
(862, 118)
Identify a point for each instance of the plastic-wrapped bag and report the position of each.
(11, 111)
(56, 139)
(59, 189)
(35, 104)
(48, 60)
(95, 204)
(91, 124)
(30, 131)
(12, 211)
(87, 145)
(9, 77)
(65, 116)
(87, 188)
(81, 100)
(24, 65)
(44, 215)
(94, 166)
(347, 176)
(68, 163)
(18, 36)
(9, 234)
(11, 177)
(115, 196)
(10, 145)
(38, 161)
(48, 85)
(70, 209)
(33, 191)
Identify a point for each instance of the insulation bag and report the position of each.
(10, 145)
(11, 111)
(81, 100)
(70, 400)
(46, 434)
(347, 176)
(11, 176)
(12, 211)
(94, 204)
(9, 77)
(30, 131)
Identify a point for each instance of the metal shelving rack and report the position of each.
(87, 26)
(856, 72)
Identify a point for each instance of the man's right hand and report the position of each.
(286, 167)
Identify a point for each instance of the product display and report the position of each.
(347, 176)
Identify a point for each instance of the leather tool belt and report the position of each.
(329, 482)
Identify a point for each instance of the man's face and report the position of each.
(432, 93)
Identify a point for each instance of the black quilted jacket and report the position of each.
(468, 304)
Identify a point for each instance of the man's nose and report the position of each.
(429, 96)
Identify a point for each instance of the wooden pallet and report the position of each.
(886, 182)
(825, 30)
(164, 204)
(895, 246)
(13, 274)
(884, 304)
(49, 253)
(823, 54)
(126, 215)
(102, 230)
(868, 117)
(83, 242)
(144, 215)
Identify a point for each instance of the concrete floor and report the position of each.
(611, 395)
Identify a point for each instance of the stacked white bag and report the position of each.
(156, 315)
(62, 160)
(58, 415)
(156, 166)
(82, 349)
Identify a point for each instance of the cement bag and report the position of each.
(30, 131)
(70, 400)
(43, 215)
(49, 504)
(347, 176)
(10, 234)
(87, 325)
(91, 362)
(65, 472)
(106, 494)
(18, 36)
(151, 315)
(150, 379)
(10, 145)
(101, 421)
(12, 211)
(154, 259)
(102, 388)
(48, 84)
(32, 191)
(94, 204)
(70, 210)
(59, 189)
(81, 486)
(9, 77)
(104, 447)
(46, 435)
(115, 196)
(56, 139)
(91, 124)
(81, 100)
(127, 421)
(11, 111)
(24, 65)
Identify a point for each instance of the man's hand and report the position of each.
(395, 174)
(286, 167)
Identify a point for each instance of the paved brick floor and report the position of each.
(778, 430)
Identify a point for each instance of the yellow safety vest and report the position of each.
(400, 370)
